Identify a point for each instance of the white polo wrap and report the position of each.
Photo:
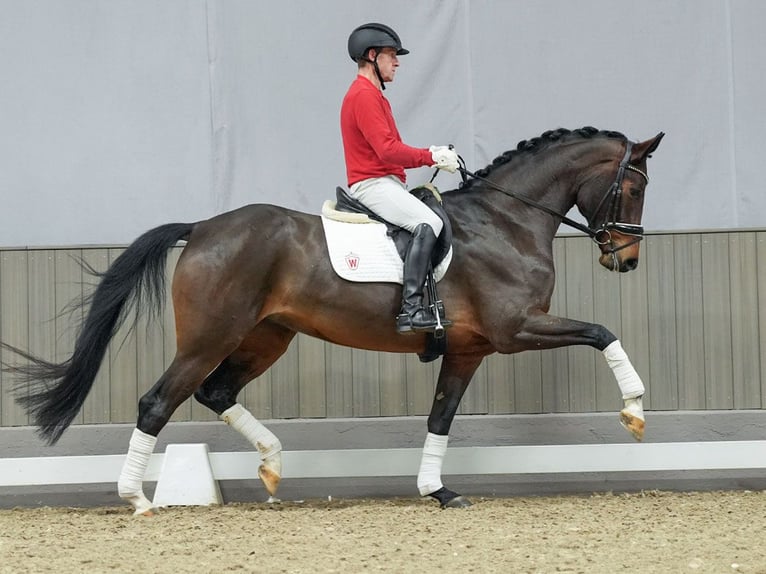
(627, 377)
(239, 418)
(430, 473)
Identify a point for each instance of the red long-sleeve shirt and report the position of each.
(371, 142)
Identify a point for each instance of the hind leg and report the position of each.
(175, 385)
(219, 392)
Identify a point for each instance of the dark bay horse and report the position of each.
(248, 280)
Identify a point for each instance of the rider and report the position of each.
(376, 159)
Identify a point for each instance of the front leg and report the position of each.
(455, 374)
(632, 415)
(542, 331)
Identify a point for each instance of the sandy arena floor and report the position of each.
(654, 532)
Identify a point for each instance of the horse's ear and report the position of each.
(643, 150)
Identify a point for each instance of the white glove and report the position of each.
(444, 158)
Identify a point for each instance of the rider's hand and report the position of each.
(444, 158)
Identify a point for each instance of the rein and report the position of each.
(614, 193)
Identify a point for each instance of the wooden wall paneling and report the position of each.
(14, 317)
(393, 384)
(476, 398)
(745, 344)
(97, 407)
(365, 379)
(285, 388)
(501, 384)
(582, 366)
(528, 380)
(692, 318)
(690, 327)
(311, 376)
(339, 379)
(421, 382)
(42, 303)
(257, 397)
(716, 310)
(555, 362)
(663, 364)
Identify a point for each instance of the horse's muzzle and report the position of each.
(616, 262)
(620, 252)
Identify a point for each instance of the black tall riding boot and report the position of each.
(413, 316)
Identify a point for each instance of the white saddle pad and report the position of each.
(361, 251)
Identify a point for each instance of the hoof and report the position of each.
(269, 478)
(142, 506)
(633, 423)
(458, 502)
(449, 499)
(151, 512)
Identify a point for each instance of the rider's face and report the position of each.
(387, 63)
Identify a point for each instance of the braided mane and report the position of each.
(541, 142)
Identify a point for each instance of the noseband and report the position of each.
(601, 235)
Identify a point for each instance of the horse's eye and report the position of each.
(636, 193)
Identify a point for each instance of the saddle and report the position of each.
(426, 193)
(436, 343)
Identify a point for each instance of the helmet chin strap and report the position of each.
(377, 70)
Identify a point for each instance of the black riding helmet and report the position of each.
(373, 35)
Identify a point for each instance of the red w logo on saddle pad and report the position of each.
(352, 260)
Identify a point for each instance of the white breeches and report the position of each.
(389, 198)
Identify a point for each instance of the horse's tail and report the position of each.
(52, 393)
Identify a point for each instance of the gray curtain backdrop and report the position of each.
(119, 115)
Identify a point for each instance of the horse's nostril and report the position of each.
(630, 264)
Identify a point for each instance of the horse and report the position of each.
(248, 280)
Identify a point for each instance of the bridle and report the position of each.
(614, 196)
(600, 234)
